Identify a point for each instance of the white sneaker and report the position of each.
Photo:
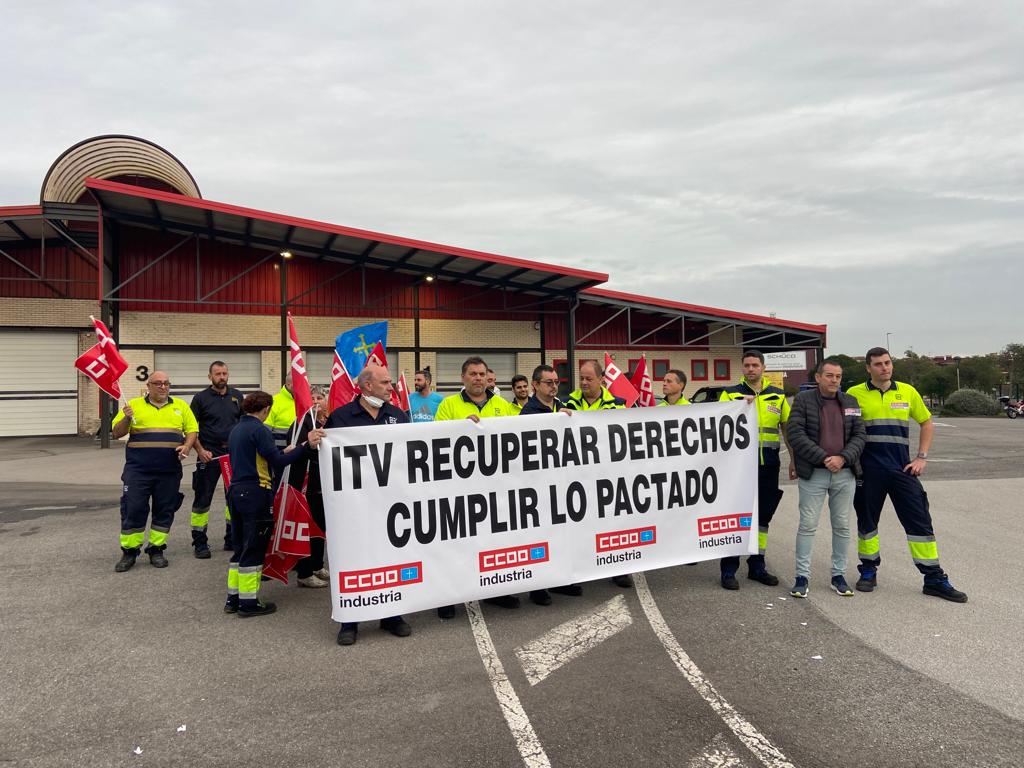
(312, 582)
(323, 574)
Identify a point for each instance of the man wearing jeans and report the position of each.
(826, 437)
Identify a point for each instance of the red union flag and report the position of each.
(402, 392)
(102, 362)
(300, 381)
(294, 529)
(343, 389)
(641, 380)
(225, 469)
(377, 357)
(618, 383)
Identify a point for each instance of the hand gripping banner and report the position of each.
(423, 515)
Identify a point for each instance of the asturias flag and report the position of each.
(355, 346)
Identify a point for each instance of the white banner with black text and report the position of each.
(430, 514)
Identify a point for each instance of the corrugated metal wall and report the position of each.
(59, 265)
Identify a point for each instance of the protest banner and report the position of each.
(423, 515)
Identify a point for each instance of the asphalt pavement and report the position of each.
(98, 665)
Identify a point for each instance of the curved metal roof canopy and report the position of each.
(112, 156)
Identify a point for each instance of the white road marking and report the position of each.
(572, 639)
(753, 739)
(944, 424)
(529, 746)
(45, 509)
(717, 754)
(943, 461)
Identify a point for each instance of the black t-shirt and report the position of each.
(217, 415)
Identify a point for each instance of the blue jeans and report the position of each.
(839, 487)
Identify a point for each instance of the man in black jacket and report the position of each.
(826, 437)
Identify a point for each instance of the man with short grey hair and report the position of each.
(826, 437)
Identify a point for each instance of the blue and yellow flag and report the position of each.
(353, 347)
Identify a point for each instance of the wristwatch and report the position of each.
(922, 455)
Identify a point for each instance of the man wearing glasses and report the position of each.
(161, 431)
(545, 385)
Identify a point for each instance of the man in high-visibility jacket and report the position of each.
(772, 415)
(161, 432)
(672, 388)
(476, 401)
(886, 408)
(282, 414)
(594, 396)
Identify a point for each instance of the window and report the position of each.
(658, 369)
(634, 363)
(699, 370)
(723, 370)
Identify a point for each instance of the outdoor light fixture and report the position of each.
(429, 278)
(286, 254)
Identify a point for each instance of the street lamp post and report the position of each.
(957, 372)
(888, 345)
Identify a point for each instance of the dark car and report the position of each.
(707, 395)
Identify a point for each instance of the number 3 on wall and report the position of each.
(143, 373)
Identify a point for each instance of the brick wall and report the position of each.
(48, 313)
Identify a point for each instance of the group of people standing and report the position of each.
(852, 448)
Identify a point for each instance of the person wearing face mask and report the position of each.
(305, 473)
(371, 408)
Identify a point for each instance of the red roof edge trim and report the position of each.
(724, 313)
(276, 218)
(21, 210)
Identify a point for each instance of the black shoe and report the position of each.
(505, 601)
(768, 579)
(202, 553)
(540, 597)
(228, 546)
(729, 581)
(231, 607)
(625, 581)
(397, 626)
(446, 612)
(157, 559)
(572, 590)
(126, 562)
(348, 634)
(944, 590)
(867, 581)
(261, 609)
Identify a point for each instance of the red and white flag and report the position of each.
(300, 381)
(402, 390)
(225, 469)
(295, 528)
(343, 389)
(103, 362)
(641, 380)
(618, 383)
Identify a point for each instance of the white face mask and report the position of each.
(373, 402)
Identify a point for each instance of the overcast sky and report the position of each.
(855, 164)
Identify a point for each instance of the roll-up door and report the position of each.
(189, 370)
(38, 383)
(448, 376)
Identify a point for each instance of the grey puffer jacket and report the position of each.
(804, 429)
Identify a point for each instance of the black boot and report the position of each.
(127, 560)
(156, 556)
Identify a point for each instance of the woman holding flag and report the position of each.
(253, 454)
(305, 476)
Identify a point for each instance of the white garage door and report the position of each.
(189, 370)
(38, 383)
(448, 376)
(319, 364)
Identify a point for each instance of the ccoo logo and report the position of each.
(512, 557)
(709, 526)
(627, 539)
(381, 578)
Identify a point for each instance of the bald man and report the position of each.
(161, 432)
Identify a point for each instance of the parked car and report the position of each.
(707, 395)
